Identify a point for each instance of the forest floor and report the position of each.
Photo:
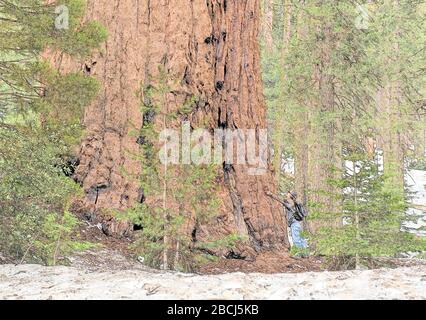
(112, 271)
(267, 262)
(117, 254)
(107, 274)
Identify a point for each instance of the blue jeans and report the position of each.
(298, 240)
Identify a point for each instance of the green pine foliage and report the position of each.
(29, 27)
(40, 122)
(35, 224)
(372, 212)
(27, 83)
(176, 196)
(418, 164)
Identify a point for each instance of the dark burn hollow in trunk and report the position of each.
(212, 45)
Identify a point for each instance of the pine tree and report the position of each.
(178, 198)
(40, 122)
(372, 214)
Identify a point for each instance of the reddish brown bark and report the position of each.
(211, 47)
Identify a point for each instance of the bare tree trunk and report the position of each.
(303, 131)
(280, 125)
(177, 256)
(324, 158)
(267, 24)
(165, 213)
(393, 154)
(389, 108)
(357, 220)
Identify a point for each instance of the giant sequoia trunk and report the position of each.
(211, 47)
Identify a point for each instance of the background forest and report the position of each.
(344, 84)
(345, 88)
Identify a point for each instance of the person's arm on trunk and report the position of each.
(270, 194)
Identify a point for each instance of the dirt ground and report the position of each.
(120, 249)
(117, 254)
(268, 262)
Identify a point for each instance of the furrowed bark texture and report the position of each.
(211, 47)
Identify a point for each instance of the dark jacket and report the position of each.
(290, 210)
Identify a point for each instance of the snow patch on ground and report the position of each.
(38, 282)
(416, 180)
(416, 218)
